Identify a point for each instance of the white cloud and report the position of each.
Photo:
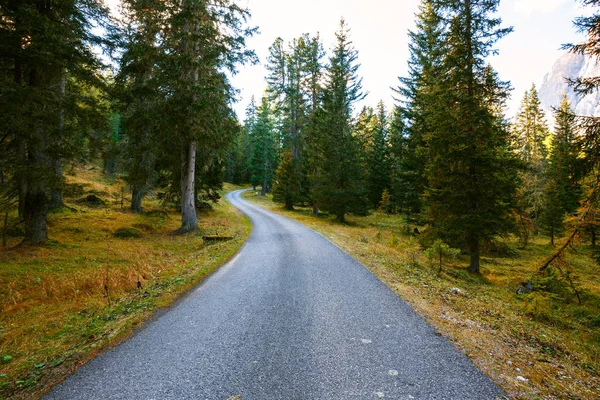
(528, 7)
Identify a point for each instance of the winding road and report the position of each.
(290, 317)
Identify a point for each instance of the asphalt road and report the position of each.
(290, 317)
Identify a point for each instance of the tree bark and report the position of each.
(22, 160)
(189, 218)
(56, 197)
(137, 195)
(475, 265)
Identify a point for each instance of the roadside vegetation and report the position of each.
(104, 272)
(537, 345)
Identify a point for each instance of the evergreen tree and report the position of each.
(339, 184)
(553, 213)
(264, 142)
(46, 58)
(378, 157)
(203, 39)
(563, 188)
(419, 98)
(529, 136)
(138, 88)
(566, 167)
(469, 169)
(285, 187)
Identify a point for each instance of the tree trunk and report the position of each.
(36, 214)
(315, 209)
(35, 210)
(594, 238)
(137, 195)
(474, 248)
(189, 219)
(56, 197)
(22, 160)
(552, 236)
(263, 190)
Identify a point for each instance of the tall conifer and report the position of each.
(339, 185)
(470, 185)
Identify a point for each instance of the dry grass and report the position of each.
(86, 289)
(554, 345)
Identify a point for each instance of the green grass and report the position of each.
(64, 302)
(553, 343)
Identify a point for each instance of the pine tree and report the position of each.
(378, 157)
(566, 167)
(46, 58)
(419, 98)
(140, 97)
(285, 187)
(338, 182)
(563, 189)
(470, 184)
(529, 136)
(203, 39)
(264, 142)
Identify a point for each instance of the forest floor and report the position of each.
(535, 346)
(104, 271)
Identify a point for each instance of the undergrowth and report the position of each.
(103, 272)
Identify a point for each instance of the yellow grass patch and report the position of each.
(86, 289)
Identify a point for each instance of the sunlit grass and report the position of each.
(553, 344)
(86, 288)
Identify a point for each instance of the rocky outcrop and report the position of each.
(555, 85)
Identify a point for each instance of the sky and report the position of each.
(379, 32)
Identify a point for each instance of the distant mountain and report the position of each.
(554, 86)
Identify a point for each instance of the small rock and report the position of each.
(392, 372)
(525, 288)
(456, 291)
(520, 378)
(380, 394)
(366, 341)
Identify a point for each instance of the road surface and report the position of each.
(290, 317)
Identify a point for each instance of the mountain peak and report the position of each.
(555, 85)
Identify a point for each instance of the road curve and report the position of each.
(290, 317)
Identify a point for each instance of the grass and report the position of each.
(103, 273)
(534, 346)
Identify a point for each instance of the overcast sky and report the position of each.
(379, 32)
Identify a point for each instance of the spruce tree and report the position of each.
(566, 166)
(563, 188)
(339, 182)
(264, 142)
(285, 187)
(139, 94)
(203, 39)
(470, 185)
(529, 136)
(46, 59)
(418, 98)
(378, 157)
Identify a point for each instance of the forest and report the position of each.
(147, 98)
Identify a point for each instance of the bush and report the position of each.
(128, 233)
(440, 250)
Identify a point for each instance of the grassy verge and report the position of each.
(104, 271)
(534, 346)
